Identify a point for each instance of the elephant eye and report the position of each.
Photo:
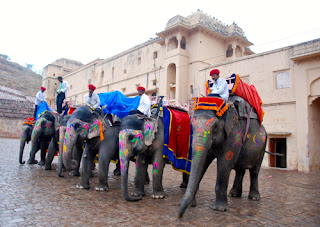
(130, 137)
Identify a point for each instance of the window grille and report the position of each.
(283, 80)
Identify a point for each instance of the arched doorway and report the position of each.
(314, 135)
(171, 81)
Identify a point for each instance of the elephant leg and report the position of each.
(52, 150)
(77, 155)
(223, 174)
(254, 186)
(158, 166)
(87, 163)
(35, 146)
(22, 145)
(117, 171)
(236, 190)
(43, 147)
(106, 152)
(140, 178)
(185, 179)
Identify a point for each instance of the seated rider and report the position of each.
(92, 99)
(144, 106)
(219, 87)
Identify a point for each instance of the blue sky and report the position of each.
(40, 31)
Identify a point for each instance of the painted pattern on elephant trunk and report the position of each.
(124, 146)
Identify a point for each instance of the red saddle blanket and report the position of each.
(210, 103)
(247, 92)
(29, 121)
(177, 141)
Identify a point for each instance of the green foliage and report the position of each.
(6, 57)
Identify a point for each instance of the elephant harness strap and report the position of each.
(247, 127)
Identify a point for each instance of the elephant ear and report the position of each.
(96, 129)
(150, 127)
(231, 119)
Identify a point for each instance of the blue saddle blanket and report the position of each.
(118, 104)
(42, 107)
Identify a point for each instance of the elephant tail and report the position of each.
(277, 154)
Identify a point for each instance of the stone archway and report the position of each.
(314, 136)
(171, 81)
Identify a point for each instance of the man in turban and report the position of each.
(62, 93)
(39, 99)
(219, 87)
(92, 99)
(144, 106)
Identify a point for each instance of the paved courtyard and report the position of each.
(32, 196)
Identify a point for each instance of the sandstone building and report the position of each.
(177, 63)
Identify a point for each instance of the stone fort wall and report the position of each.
(14, 109)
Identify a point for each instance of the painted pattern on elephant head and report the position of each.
(125, 145)
(150, 128)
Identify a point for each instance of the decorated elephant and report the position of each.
(25, 136)
(102, 139)
(219, 133)
(42, 133)
(144, 138)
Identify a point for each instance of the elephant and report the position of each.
(42, 133)
(25, 136)
(136, 138)
(86, 125)
(221, 137)
(77, 150)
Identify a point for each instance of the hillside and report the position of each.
(15, 76)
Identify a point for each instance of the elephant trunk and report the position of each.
(36, 133)
(199, 153)
(124, 165)
(70, 139)
(22, 145)
(62, 131)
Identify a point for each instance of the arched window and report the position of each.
(173, 43)
(238, 51)
(183, 43)
(229, 51)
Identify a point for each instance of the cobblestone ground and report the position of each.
(32, 196)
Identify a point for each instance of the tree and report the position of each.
(6, 57)
(29, 66)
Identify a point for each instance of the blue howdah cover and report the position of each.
(42, 107)
(118, 104)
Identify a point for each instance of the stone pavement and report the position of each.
(32, 196)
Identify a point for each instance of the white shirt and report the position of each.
(144, 106)
(64, 87)
(220, 87)
(94, 100)
(39, 98)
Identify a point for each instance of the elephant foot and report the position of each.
(32, 162)
(41, 163)
(193, 202)
(117, 172)
(158, 195)
(101, 187)
(83, 186)
(47, 167)
(183, 185)
(254, 195)
(74, 173)
(220, 206)
(235, 193)
(137, 193)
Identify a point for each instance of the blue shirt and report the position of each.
(220, 87)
